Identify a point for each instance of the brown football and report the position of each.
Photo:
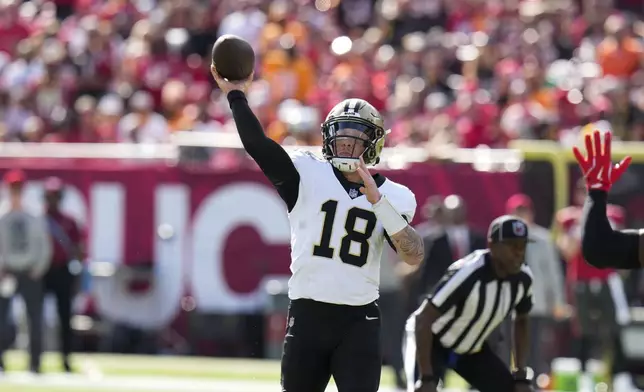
(233, 57)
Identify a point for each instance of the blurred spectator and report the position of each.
(432, 226)
(548, 287)
(447, 242)
(110, 109)
(619, 54)
(460, 73)
(433, 215)
(65, 266)
(247, 21)
(25, 257)
(463, 239)
(12, 29)
(142, 124)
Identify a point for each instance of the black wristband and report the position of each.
(598, 195)
(235, 95)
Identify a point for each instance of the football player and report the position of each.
(602, 246)
(340, 216)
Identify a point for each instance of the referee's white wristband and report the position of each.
(391, 220)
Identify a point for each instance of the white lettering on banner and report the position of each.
(191, 259)
(159, 305)
(107, 204)
(218, 215)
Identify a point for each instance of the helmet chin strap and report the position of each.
(346, 165)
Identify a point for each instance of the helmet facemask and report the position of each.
(348, 139)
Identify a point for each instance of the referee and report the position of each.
(475, 295)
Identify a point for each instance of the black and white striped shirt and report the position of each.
(473, 301)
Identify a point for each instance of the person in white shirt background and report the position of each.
(143, 124)
(25, 256)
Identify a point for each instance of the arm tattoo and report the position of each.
(409, 245)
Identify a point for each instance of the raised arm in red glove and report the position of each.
(602, 246)
(598, 169)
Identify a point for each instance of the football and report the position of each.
(233, 57)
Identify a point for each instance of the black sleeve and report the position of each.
(525, 305)
(269, 155)
(602, 246)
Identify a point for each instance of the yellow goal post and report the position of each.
(561, 157)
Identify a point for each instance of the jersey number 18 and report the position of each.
(324, 249)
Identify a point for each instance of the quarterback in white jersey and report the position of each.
(340, 217)
(336, 238)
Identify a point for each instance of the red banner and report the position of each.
(214, 235)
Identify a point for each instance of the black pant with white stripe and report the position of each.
(324, 340)
(485, 371)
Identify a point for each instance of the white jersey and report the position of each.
(336, 240)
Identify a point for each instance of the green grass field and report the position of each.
(171, 366)
(181, 368)
(128, 365)
(135, 373)
(21, 388)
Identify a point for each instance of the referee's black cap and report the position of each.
(507, 227)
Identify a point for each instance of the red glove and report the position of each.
(599, 171)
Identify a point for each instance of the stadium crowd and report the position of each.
(442, 72)
(460, 72)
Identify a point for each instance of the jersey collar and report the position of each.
(351, 187)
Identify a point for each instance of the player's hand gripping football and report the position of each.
(227, 86)
(369, 188)
(598, 169)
